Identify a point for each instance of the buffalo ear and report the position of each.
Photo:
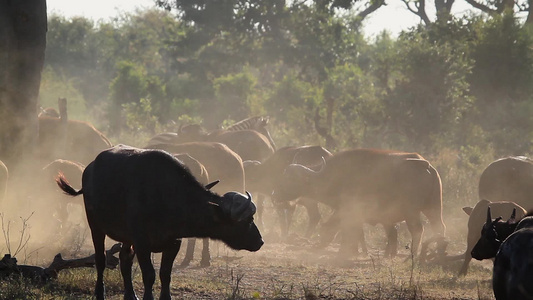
(468, 210)
(212, 184)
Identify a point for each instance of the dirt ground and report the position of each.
(293, 268)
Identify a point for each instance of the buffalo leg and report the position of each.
(360, 239)
(100, 260)
(435, 220)
(314, 215)
(329, 230)
(289, 214)
(281, 210)
(147, 269)
(392, 240)
(189, 254)
(416, 229)
(206, 256)
(126, 261)
(167, 260)
(260, 204)
(350, 235)
(466, 262)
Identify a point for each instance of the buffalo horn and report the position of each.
(212, 184)
(322, 164)
(489, 217)
(512, 219)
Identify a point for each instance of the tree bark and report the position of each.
(23, 25)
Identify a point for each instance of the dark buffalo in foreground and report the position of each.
(200, 173)
(513, 267)
(148, 200)
(477, 219)
(508, 179)
(513, 264)
(372, 186)
(264, 177)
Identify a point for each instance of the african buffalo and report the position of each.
(148, 200)
(508, 179)
(264, 177)
(220, 162)
(477, 219)
(495, 231)
(73, 171)
(249, 144)
(79, 142)
(242, 137)
(372, 186)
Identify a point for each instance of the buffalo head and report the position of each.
(236, 225)
(492, 235)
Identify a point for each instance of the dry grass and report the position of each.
(283, 271)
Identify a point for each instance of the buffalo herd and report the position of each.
(149, 198)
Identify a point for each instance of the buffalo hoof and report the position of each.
(205, 263)
(185, 263)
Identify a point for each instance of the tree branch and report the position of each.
(370, 9)
(481, 7)
(419, 9)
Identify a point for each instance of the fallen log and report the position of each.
(9, 267)
(433, 251)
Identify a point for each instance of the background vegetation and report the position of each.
(456, 90)
(462, 85)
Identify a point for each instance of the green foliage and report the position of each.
(503, 55)
(232, 93)
(139, 116)
(462, 82)
(358, 113)
(381, 60)
(502, 82)
(432, 96)
(73, 51)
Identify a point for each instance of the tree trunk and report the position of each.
(23, 40)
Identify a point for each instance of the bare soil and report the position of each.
(295, 269)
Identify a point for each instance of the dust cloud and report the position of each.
(37, 220)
